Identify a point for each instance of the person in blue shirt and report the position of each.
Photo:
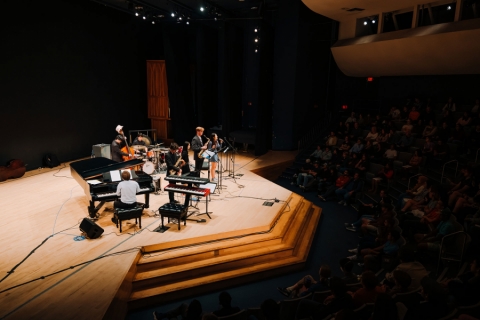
(432, 241)
(357, 147)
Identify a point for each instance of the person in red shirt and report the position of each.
(414, 114)
(369, 291)
(385, 174)
(340, 183)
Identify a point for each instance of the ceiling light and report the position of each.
(153, 22)
(215, 18)
(373, 21)
(173, 14)
(254, 8)
(144, 17)
(364, 23)
(256, 39)
(449, 8)
(136, 14)
(188, 22)
(256, 50)
(256, 30)
(202, 9)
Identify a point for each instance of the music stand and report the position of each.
(232, 159)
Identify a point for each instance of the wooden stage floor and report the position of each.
(49, 205)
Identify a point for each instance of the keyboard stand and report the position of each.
(197, 212)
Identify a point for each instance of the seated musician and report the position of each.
(186, 166)
(116, 152)
(139, 141)
(172, 158)
(127, 191)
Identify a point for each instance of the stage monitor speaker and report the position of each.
(102, 150)
(91, 229)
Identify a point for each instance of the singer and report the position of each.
(196, 146)
(214, 145)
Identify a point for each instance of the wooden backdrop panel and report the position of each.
(157, 94)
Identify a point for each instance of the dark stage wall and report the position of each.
(70, 72)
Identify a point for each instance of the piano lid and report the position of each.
(93, 167)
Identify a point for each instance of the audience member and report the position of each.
(357, 147)
(270, 309)
(430, 130)
(450, 105)
(351, 119)
(308, 284)
(346, 265)
(431, 241)
(385, 174)
(225, 301)
(413, 268)
(384, 308)
(435, 305)
(349, 190)
(356, 131)
(331, 140)
(339, 183)
(192, 311)
(369, 290)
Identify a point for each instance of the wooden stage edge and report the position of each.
(244, 241)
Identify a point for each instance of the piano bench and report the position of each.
(174, 210)
(127, 214)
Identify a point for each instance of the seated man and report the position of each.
(432, 240)
(127, 191)
(339, 183)
(369, 290)
(326, 155)
(331, 140)
(357, 147)
(305, 177)
(401, 283)
(349, 190)
(225, 301)
(308, 284)
(339, 300)
(372, 256)
(316, 154)
(346, 265)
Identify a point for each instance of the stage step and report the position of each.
(178, 272)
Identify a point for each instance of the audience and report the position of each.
(308, 284)
(225, 301)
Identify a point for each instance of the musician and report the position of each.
(197, 145)
(214, 145)
(139, 141)
(127, 191)
(171, 158)
(119, 130)
(186, 167)
(117, 154)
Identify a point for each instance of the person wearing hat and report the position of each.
(119, 130)
(117, 153)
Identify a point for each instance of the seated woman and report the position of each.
(372, 135)
(362, 165)
(430, 130)
(420, 189)
(417, 223)
(385, 174)
(382, 137)
(390, 154)
(464, 120)
(373, 257)
(417, 201)
(346, 145)
(413, 164)
(428, 146)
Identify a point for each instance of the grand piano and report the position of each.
(94, 177)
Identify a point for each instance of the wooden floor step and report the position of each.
(205, 267)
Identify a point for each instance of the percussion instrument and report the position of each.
(150, 154)
(148, 167)
(138, 147)
(147, 140)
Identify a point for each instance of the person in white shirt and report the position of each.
(351, 119)
(127, 191)
(450, 105)
(390, 154)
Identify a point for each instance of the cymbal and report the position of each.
(137, 147)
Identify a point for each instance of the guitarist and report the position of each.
(172, 158)
(117, 153)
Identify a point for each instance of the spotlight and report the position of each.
(173, 14)
(373, 21)
(256, 50)
(136, 14)
(144, 17)
(256, 39)
(256, 30)
(215, 18)
(202, 9)
(188, 22)
(153, 22)
(180, 18)
(449, 8)
(364, 23)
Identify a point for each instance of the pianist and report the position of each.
(127, 191)
(117, 153)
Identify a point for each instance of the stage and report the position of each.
(92, 279)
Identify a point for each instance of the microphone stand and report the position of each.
(220, 168)
(232, 159)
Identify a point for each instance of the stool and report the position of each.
(127, 214)
(174, 210)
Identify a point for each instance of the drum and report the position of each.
(150, 154)
(148, 167)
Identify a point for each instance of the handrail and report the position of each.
(409, 179)
(463, 246)
(443, 169)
